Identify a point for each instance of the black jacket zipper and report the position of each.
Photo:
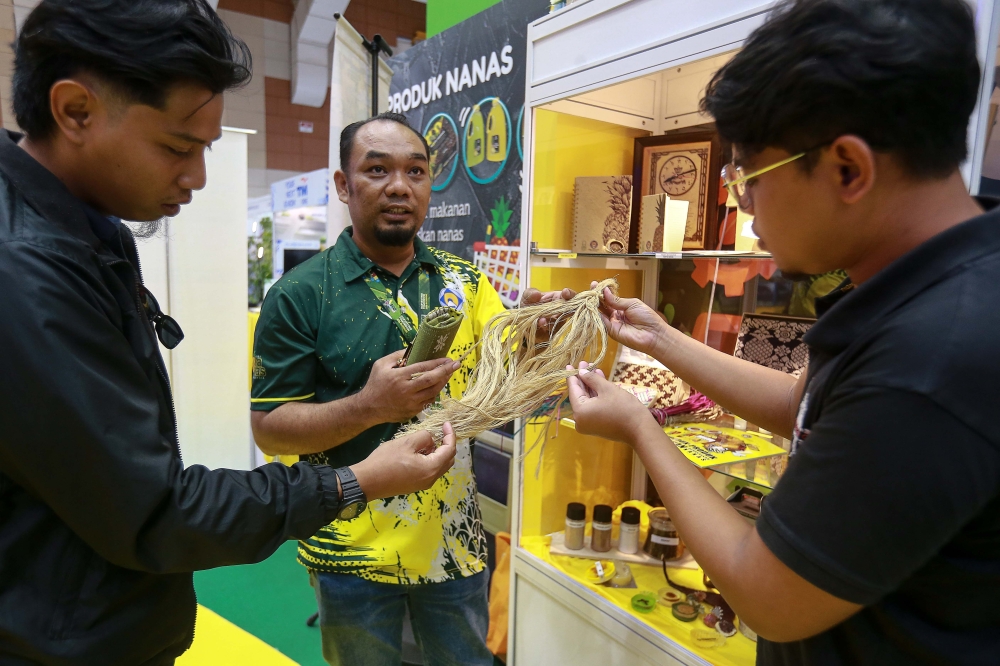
(160, 369)
(158, 360)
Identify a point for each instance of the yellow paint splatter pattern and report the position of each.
(431, 536)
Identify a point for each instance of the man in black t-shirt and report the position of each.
(881, 543)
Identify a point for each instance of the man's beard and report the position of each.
(394, 235)
(146, 230)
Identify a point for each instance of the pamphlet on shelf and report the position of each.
(602, 214)
(746, 239)
(675, 225)
(651, 217)
(706, 444)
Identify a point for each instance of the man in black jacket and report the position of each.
(100, 523)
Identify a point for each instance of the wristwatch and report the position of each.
(352, 498)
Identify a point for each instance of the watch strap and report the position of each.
(350, 489)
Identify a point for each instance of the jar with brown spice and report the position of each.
(600, 533)
(576, 524)
(663, 542)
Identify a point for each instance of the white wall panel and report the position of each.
(987, 28)
(207, 273)
(153, 259)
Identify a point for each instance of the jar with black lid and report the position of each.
(576, 525)
(600, 535)
(628, 533)
(663, 541)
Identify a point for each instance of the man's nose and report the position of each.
(194, 176)
(397, 185)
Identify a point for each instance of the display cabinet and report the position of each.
(601, 74)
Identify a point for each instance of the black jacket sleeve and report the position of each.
(79, 431)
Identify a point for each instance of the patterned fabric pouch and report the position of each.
(774, 342)
(634, 368)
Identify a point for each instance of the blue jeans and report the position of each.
(362, 621)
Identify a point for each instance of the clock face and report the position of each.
(678, 175)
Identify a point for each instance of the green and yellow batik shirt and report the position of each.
(320, 331)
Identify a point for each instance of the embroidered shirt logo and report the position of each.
(258, 368)
(452, 297)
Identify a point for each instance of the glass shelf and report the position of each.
(763, 472)
(549, 258)
(687, 254)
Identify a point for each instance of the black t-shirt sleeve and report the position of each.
(884, 481)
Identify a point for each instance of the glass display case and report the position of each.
(609, 81)
(703, 293)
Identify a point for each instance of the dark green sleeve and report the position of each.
(285, 362)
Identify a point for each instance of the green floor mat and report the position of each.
(270, 600)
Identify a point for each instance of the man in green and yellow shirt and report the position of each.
(327, 387)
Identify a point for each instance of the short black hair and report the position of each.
(138, 47)
(901, 74)
(349, 132)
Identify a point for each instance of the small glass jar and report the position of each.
(663, 542)
(623, 575)
(600, 536)
(628, 533)
(576, 524)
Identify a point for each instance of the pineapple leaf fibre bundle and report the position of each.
(515, 375)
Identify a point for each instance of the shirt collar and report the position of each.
(104, 227)
(354, 263)
(42, 189)
(851, 310)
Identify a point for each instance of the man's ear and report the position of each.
(74, 107)
(340, 181)
(854, 165)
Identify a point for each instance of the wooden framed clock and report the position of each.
(684, 166)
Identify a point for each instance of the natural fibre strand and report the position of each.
(513, 377)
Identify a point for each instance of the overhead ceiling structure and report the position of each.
(23, 7)
(313, 26)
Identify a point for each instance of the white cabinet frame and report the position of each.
(593, 44)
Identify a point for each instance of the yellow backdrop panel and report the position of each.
(566, 148)
(574, 467)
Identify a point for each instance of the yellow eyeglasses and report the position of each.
(736, 181)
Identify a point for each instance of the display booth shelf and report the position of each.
(762, 472)
(585, 109)
(605, 80)
(597, 625)
(570, 259)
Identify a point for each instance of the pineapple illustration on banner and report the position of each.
(499, 260)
